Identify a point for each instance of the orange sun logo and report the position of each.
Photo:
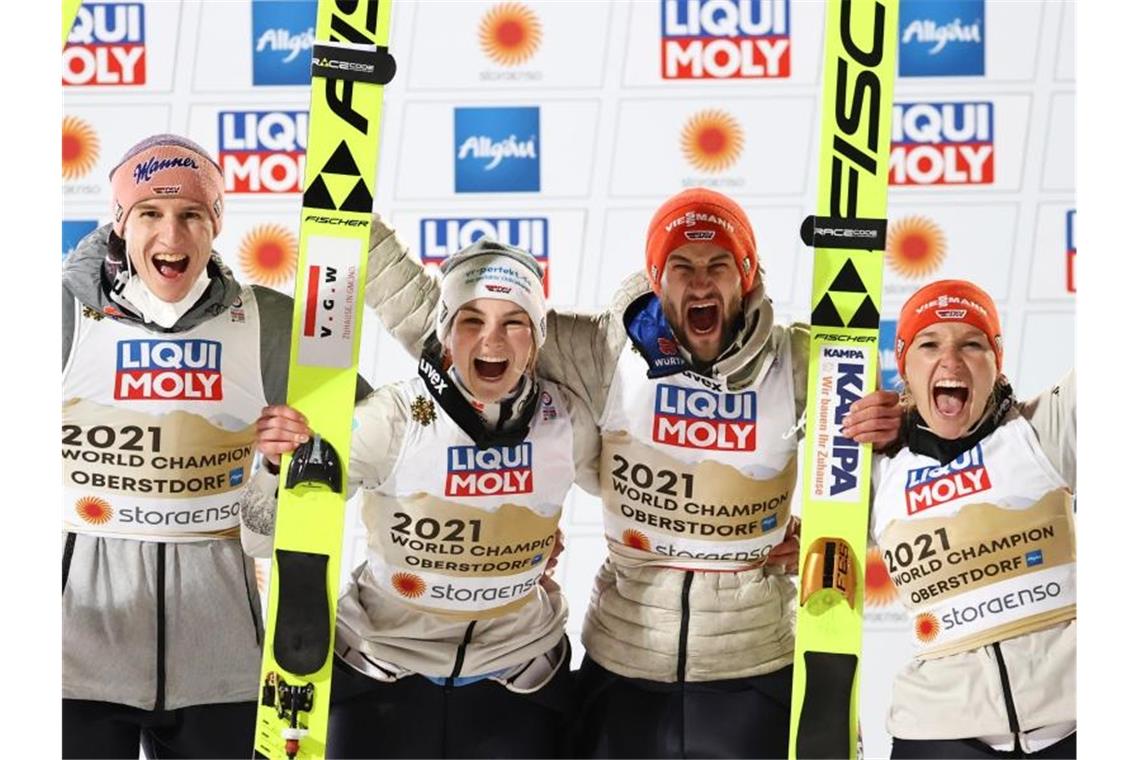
(712, 140)
(80, 148)
(926, 628)
(916, 247)
(409, 585)
(635, 538)
(94, 510)
(268, 254)
(881, 590)
(510, 33)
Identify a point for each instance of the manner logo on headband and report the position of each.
(145, 170)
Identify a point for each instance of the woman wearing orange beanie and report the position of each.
(974, 519)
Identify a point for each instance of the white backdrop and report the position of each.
(986, 120)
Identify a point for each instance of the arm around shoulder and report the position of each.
(1053, 416)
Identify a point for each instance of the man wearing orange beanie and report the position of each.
(698, 397)
(167, 363)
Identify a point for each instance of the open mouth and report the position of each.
(703, 318)
(490, 370)
(170, 265)
(950, 397)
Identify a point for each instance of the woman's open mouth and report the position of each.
(950, 397)
(490, 369)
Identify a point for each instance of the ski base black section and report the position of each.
(826, 712)
(302, 639)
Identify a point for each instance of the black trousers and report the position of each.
(968, 749)
(108, 730)
(623, 717)
(414, 717)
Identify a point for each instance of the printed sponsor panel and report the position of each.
(75, 230)
(261, 247)
(1040, 364)
(623, 250)
(834, 459)
(1059, 172)
(117, 47)
(1066, 67)
(931, 242)
(554, 237)
(260, 149)
(742, 147)
(967, 38)
(331, 289)
(958, 143)
(558, 161)
(697, 42)
(505, 45)
(260, 46)
(1053, 265)
(95, 137)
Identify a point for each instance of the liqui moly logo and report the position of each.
(1070, 251)
(700, 419)
(495, 471)
(942, 38)
(442, 236)
(263, 151)
(106, 46)
(725, 39)
(168, 370)
(928, 487)
(942, 144)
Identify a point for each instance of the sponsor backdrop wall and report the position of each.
(560, 126)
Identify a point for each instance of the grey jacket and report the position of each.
(164, 625)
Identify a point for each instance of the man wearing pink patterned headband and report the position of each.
(167, 363)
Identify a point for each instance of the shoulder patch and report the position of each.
(423, 410)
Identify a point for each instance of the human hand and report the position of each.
(786, 554)
(876, 419)
(280, 429)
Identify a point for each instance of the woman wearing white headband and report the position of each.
(450, 637)
(974, 519)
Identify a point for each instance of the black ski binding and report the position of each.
(315, 461)
(290, 700)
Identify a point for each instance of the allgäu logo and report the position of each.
(939, 38)
(497, 150)
(282, 33)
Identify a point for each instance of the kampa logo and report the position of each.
(842, 353)
(700, 419)
(282, 35)
(725, 39)
(942, 38)
(168, 370)
(268, 255)
(942, 144)
(712, 140)
(916, 247)
(442, 236)
(488, 472)
(843, 453)
(106, 46)
(497, 150)
(1070, 251)
(928, 487)
(510, 34)
(263, 151)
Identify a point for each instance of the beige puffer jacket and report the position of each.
(652, 623)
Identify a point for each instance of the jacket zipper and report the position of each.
(683, 650)
(249, 597)
(160, 643)
(68, 550)
(1007, 692)
(459, 655)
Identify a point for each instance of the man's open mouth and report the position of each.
(170, 265)
(703, 317)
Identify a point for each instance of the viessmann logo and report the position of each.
(725, 39)
(168, 370)
(698, 419)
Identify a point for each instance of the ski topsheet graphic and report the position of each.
(848, 235)
(350, 66)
